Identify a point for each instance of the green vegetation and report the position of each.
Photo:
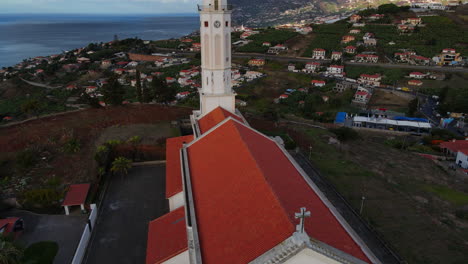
(121, 166)
(345, 133)
(168, 44)
(271, 35)
(113, 91)
(389, 75)
(455, 197)
(328, 37)
(41, 253)
(10, 253)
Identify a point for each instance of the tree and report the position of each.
(135, 141)
(163, 93)
(113, 91)
(121, 166)
(138, 86)
(413, 107)
(388, 9)
(146, 94)
(32, 106)
(9, 253)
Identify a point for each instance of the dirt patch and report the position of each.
(299, 44)
(50, 135)
(383, 99)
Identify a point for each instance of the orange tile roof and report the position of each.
(76, 194)
(246, 192)
(173, 170)
(167, 237)
(215, 117)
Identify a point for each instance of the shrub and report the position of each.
(345, 133)
(41, 253)
(43, 197)
(72, 146)
(26, 159)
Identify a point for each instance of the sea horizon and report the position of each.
(24, 36)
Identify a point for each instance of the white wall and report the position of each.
(176, 201)
(81, 249)
(463, 159)
(309, 256)
(182, 258)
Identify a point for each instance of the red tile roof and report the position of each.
(76, 194)
(167, 237)
(454, 146)
(246, 192)
(215, 117)
(173, 170)
(464, 151)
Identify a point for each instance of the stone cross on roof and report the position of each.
(302, 215)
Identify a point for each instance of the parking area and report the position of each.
(130, 203)
(65, 230)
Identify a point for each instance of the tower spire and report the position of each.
(215, 35)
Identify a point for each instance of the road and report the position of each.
(305, 59)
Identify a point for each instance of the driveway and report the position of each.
(65, 230)
(121, 230)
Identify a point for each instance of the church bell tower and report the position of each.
(215, 35)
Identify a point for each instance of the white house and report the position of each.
(462, 158)
(337, 70)
(318, 54)
(311, 67)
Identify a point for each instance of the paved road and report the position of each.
(129, 205)
(305, 59)
(378, 247)
(65, 230)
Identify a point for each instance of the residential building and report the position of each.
(336, 55)
(182, 95)
(370, 79)
(318, 83)
(336, 70)
(374, 17)
(312, 67)
(367, 58)
(257, 62)
(449, 57)
(345, 85)
(266, 44)
(347, 39)
(362, 95)
(350, 49)
(355, 31)
(415, 82)
(355, 18)
(318, 54)
(417, 75)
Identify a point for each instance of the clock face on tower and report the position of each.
(217, 24)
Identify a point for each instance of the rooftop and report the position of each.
(173, 170)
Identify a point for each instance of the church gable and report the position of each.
(215, 117)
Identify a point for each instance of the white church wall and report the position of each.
(210, 103)
(182, 258)
(309, 256)
(176, 201)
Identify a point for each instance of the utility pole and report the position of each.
(310, 152)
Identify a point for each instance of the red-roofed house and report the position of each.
(167, 239)
(311, 67)
(415, 82)
(170, 80)
(417, 75)
(318, 83)
(370, 79)
(283, 96)
(350, 49)
(453, 147)
(336, 55)
(336, 70)
(347, 39)
(318, 54)
(362, 96)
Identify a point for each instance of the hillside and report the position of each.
(272, 12)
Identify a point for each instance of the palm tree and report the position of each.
(9, 253)
(121, 166)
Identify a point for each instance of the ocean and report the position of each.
(25, 36)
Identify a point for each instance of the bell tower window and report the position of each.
(206, 23)
(227, 23)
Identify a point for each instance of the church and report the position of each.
(235, 195)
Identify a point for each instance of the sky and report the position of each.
(98, 6)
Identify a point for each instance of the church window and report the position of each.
(206, 23)
(227, 23)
